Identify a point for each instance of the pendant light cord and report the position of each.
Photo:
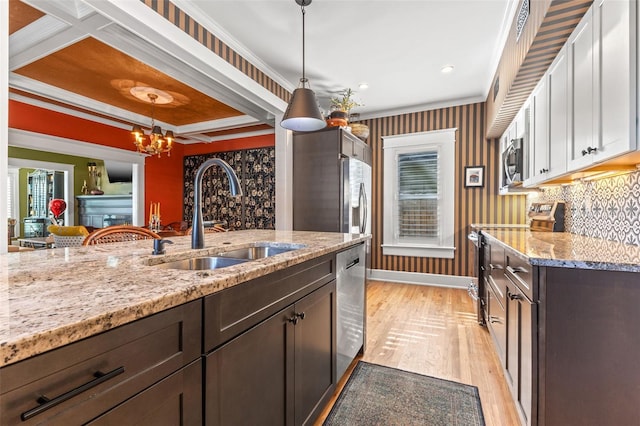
(304, 78)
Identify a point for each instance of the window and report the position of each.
(418, 194)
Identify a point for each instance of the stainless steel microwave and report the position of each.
(513, 164)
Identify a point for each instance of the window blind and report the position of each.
(418, 212)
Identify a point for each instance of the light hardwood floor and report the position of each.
(433, 331)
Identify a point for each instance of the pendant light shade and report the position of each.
(303, 113)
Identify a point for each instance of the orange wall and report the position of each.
(163, 176)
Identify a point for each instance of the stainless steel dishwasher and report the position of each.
(350, 301)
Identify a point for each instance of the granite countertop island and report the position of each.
(49, 298)
(565, 250)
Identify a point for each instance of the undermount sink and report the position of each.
(231, 257)
(257, 252)
(202, 263)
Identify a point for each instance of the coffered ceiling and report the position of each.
(63, 59)
(83, 57)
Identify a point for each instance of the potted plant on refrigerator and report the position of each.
(340, 108)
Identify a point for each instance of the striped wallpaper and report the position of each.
(472, 205)
(526, 59)
(190, 26)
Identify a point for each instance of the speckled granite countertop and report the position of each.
(565, 250)
(49, 298)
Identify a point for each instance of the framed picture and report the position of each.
(474, 176)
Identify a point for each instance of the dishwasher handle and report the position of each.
(353, 263)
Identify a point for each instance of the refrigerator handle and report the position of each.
(363, 208)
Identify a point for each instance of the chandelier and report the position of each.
(155, 142)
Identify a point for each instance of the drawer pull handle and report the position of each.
(46, 403)
(516, 270)
(495, 320)
(492, 266)
(515, 296)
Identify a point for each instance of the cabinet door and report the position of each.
(175, 400)
(615, 74)
(581, 90)
(557, 79)
(249, 381)
(520, 356)
(497, 319)
(540, 134)
(315, 353)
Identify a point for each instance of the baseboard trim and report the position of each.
(438, 280)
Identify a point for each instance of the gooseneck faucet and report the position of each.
(197, 227)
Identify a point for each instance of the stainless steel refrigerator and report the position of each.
(331, 182)
(332, 193)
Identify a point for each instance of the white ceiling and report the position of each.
(398, 47)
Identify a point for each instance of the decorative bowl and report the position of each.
(360, 130)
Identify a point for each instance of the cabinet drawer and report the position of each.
(130, 357)
(180, 395)
(520, 273)
(232, 311)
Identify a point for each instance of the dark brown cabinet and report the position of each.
(521, 317)
(175, 400)
(260, 352)
(496, 297)
(588, 346)
(571, 341)
(281, 371)
(85, 380)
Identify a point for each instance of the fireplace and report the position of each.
(98, 211)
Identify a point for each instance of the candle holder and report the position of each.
(154, 223)
(154, 217)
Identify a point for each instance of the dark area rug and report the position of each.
(378, 395)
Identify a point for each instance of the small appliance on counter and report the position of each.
(547, 216)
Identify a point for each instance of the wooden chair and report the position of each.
(208, 229)
(119, 233)
(176, 226)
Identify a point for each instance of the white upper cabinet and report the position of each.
(615, 58)
(602, 84)
(539, 134)
(549, 133)
(558, 81)
(581, 93)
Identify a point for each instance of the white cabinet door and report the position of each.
(602, 67)
(615, 74)
(557, 79)
(519, 124)
(539, 143)
(581, 93)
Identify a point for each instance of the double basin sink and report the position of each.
(231, 257)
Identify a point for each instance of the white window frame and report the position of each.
(13, 187)
(444, 142)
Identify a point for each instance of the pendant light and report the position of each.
(303, 114)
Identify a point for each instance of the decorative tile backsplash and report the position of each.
(607, 208)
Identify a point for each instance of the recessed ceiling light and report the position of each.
(363, 86)
(446, 69)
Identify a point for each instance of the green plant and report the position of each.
(344, 102)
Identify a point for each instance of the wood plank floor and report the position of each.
(433, 331)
